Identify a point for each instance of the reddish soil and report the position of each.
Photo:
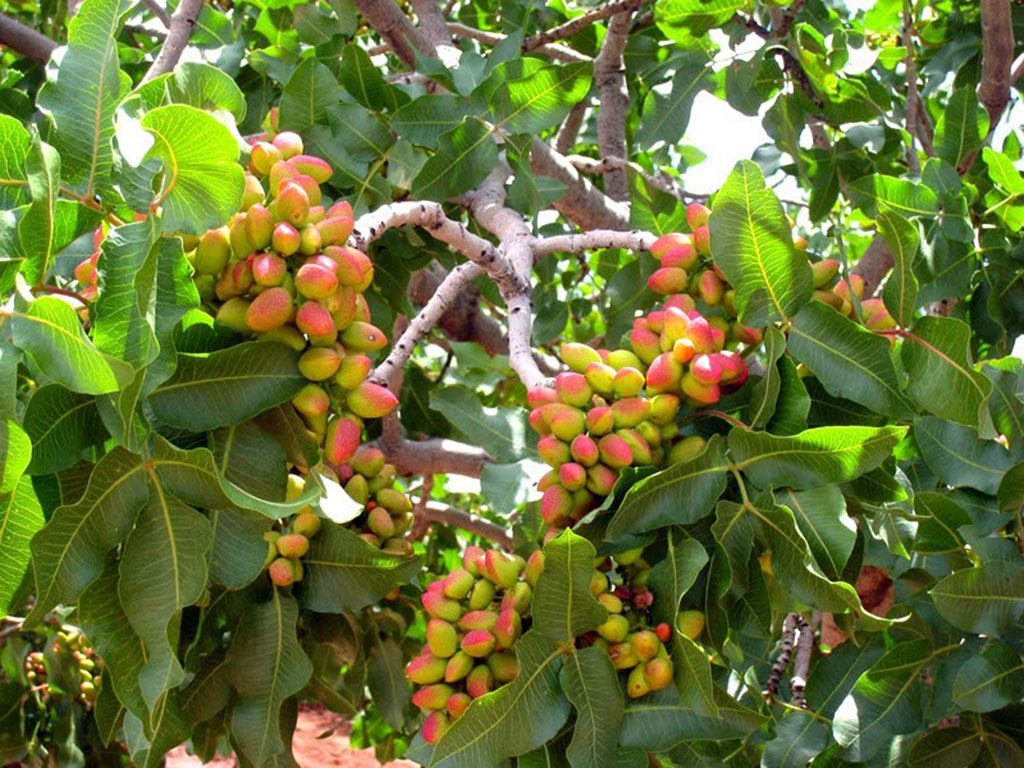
(333, 751)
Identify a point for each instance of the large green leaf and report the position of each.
(683, 20)
(61, 424)
(1006, 408)
(941, 374)
(237, 550)
(820, 514)
(464, 157)
(513, 720)
(20, 517)
(798, 573)
(70, 551)
(959, 458)
(127, 283)
(344, 573)
(14, 148)
(814, 457)
(961, 127)
(906, 198)
(672, 576)
(563, 606)
(49, 330)
(751, 242)
(664, 118)
(37, 229)
(848, 360)
(660, 721)
(939, 520)
(990, 681)
(681, 494)
(252, 460)
(540, 99)
(386, 678)
(16, 454)
(204, 86)
(884, 702)
(363, 80)
(266, 665)
(308, 93)
(986, 599)
(424, 120)
(734, 532)
(228, 386)
(944, 747)
(765, 393)
(692, 673)
(502, 432)
(202, 180)
(163, 570)
(903, 239)
(592, 685)
(83, 98)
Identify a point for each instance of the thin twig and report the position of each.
(467, 521)
(182, 24)
(158, 10)
(579, 23)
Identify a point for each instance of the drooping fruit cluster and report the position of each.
(370, 480)
(85, 271)
(288, 542)
(632, 644)
(835, 291)
(76, 660)
(687, 268)
(615, 409)
(280, 270)
(476, 615)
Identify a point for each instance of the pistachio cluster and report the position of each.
(370, 480)
(476, 615)
(78, 661)
(836, 292)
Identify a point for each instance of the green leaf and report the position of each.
(813, 457)
(228, 386)
(512, 720)
(903, 197)
(502, 432)
(345, 573)
(465, 155)
(592, 685)
(665, 118)
(564, 606)
(849, 360)
(361, 134)
(883, 703)
(682, 20)
(21, 517)
(659, 721)
(266, 665)
(542, 98)
(941, 374)
(765, 393)
(49, 330)
(990, 681)
(799, 738)
(386, 679)
(127, 285)
(61, 424)
(175, 295)
(959, 458)
(237, 550)
(1002, 171)
(14, 148)
(1006, 408)
(15, 456)
(751, 242)
(252, 460)
(82, 99)
(986, 599)
(37, 228)
(734, 532)
(692, 673)
(820, 514)
(163, 570)
(679, 495)
(903, 239)
(202, 180)
(308, 93)
(961, 128)
(798, 573)
(672, 576)
(423, 120)
(940, 519)
(945, 747)
(363, 80)
(203, 86)
(69, 552)
(793, 405)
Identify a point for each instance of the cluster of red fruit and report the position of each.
(74, 657)
(836, 292)
(288, 545)
(477, 613)
(687, 268)
(85, 270)
(614, 409)
(369, 480)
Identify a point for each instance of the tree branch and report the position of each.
(661, 181)
(556, 52)
(583, 203)
(436, 456)
(395, 29)
(25, 40)
(610, 76)
(182, 24)
(432, 23)
(464, 319)
(634, 240)
(442, 513)
(996, 58)
(569, 131)
(578, 24)
(158, 10)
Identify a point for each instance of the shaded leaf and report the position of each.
(986, 599)
(564, 606)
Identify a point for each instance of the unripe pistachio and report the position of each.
(353, 371)
(231, 314)
(615, 451)
(432, 697)
(292, 545)
(601, 479)
(281, 572)
(697, 215)
(289, 143)
(425, 669)
(271, 309)
(319, 363)
(268, 269)
(481, 596)
(630, 411)
(622, 656)
(584, 450)
(636, 684)
(478, 643)
(315, 167)
(503, 666)
(363, 337)
(658, 673)
(458, 583)
(578, 356)
(252, 193)
(456, 705)
(380, 523)
(552, 451)
(293, 204)
(507, 629)
(440, 607)
(357, 489)
(623, 358)
(480, 681)
(667, 280)
(259, 226)
(645, 644)
(371, 401)
(471, 559)
(264, 155)
(306, 524)
(518, 598)
(316, 322)
(442, 639)
(690, 623)
(343, 437)
(212, 253)
(459, 665)
(567, 424)
(502, 569)
(600, 420)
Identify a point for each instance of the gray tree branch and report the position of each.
(182, 23)
(25, 40)
(610, 76)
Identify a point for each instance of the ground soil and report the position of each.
(310, 751)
